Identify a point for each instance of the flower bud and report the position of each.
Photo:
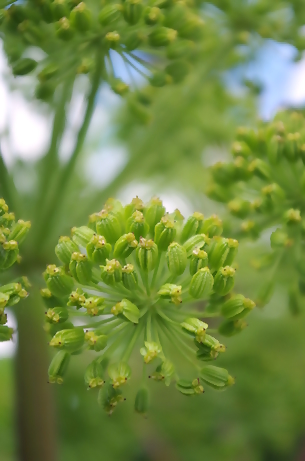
(125, 245)
(162, 36)
(136, 204)
(59, 283)
(209, 348)
(164, 372)
(4, 298)
(196, 327)
(222, 173)
(112, 40)
(279, 239)
(70, 340)
(154, 212)
(292, 216)
(216, 377)
(233, 248)
(147, 254)
(64, 30)
(109, 226)
(217, 251)
(119, 373)
(240, 208)
(172, 292)
(241, 149)
(94, 375)
(57, 315)
(189, 387)
(3, 207)
(7, 220)
(8, 254)
(195, 242)
(192, 226)
(110, 14)
(77, 298)
(119, 87)
(109, 398)
(132, 11)
(178, 70)
(64, 249)
(179, 49)
(165, 233)
(19, 231)
(129, 277)
(96, 340)
(6, 333)
(237, 307)
(94, 305)
(224, 280)
(176, 258)
(98, 250)
(142, 401)
(60, 9)
(152, 15)
(250, 229)
(231, 327)
(137, 225)
(201, 284)
(198, 260)
(80, 17)
(126, 309)
(159, 79)
(58, 367)
(260, 169)
(133, 40)
(150, 351)
(82, 235)
(212, 226)
(111, 272)
(80, 268)
(24, 66)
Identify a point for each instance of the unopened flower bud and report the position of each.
(64, 249)
(260, 169)
(172, 292)
(6, 333)
(240, 208)
(129, 277)
(137, 225)
(192, 226)
(59, 283)
(70, 340)
(80, 17)
(217, 252)
(197, 241)
(176, 258)
(133, 40)
(132, 11)
(147, 254)
(80, 268)
(58, 367)
(152, 15)
(292, 216)
(94, 305)
(119, 87)
(9, 254)
(160, 79)
(4, 298)
(241, 149)
(60, 9)
(178, 70)
(3, 207)
(110, 14)
(142, 401)
(237, 307)
(201, 284)
(212, 226)
(82, 235)
(57, 315)
(126, 309)
(64, 30)
(250, 229)
(150, 351)
(189, 387)
(20, 231)
(209, 348)
(119, 373)
(96, 340)
(216, 377)
(98, 250)
(196, 327)
(224, 280)
(111, 272)
(154, 212)
(162, 36)
(109, 398)
(112, 40)
(165, 233)
(109, 226)
(231, 327)
(164, 372)
(77, 298)
(233, 248)
(94, 375)
(136, 204)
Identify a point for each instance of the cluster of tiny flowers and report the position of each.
(12, 233)
(77, 36)
(148, 281)
(264, 186)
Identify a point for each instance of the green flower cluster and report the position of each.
(12, 233)
(140, 274)
(264, 187)
(78, 37)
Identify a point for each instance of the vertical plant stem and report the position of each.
(7, 187)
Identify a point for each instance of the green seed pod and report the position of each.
(178, 70)
(233, 247)
(119, 373)
(196, 328)
(119, 87)
(70, 340)
(96, 340)
(176, 258)
(132, 11)
(109, 226)
(57, 315)
(212, 226)
(165, 233)
(82, 235)
(216, 377)
(64, 249)
(224, 280)
(80, 268)
(137, 225)
(109, 398)
(154, 212)
(110, 14)
(192, 226)
(201, 284)
(58, 367)
(150, 351)
(198, 260)
(64, 30)
(126, 309)
(172, 292)
(125, 245)
(147, 254)
(217, 252)
(162, 36)
(9, 252)
(209, 348)
(98, 250)
(77, 298)
(240, 208)
(53, 328)
(60, 9)
(19, 231)
(11, 288)
(152, 15)
(231, 327)
(189, 387)
(81, 17)
(24, 66)
(142, 401)
(111, 272)
(6, 333)
(159, 79)
(112, 39)
(94, 375)
(237, 307)
(59, 283)
(129, 277)
(197, 241)
(94, 305)
(164, 372)
(133, 40)
(179, 49)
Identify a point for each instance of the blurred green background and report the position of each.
(237, 78)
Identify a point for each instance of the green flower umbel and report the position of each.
(12, 234)
(143, 282)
